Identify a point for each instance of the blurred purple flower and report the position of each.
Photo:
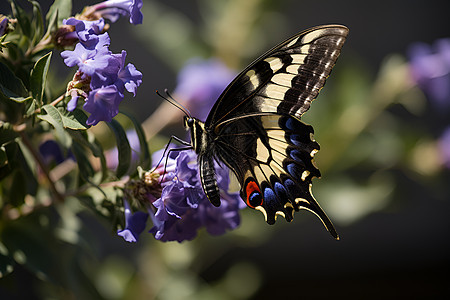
(181, 208)
(430, 67)
(3, 25)
(114, 9)
(51, 151)
(201, 82)
(134, 224)
(444, 147)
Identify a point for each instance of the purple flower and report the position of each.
(444, 147)
(102, 76)
(128, 76)
(87, 32)
(124, 77)
(134, 224)
(114, 9)
(102, 104)
(88, 61)
(430, 67)
(183, 208)
(201, 82)
(177, 204)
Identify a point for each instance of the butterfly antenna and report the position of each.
(182, 107)
(174, 102)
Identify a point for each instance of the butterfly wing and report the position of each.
(272, 157)
(255, 125)
(285, 79)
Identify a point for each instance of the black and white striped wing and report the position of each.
(285, 79)
(272, 157)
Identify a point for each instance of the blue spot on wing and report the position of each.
(296, 155)
(269, 196)
(295, 171)
(280, 190)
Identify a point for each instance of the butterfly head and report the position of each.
(188, 122)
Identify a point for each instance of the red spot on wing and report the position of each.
(251, 188)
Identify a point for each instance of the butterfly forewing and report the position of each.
(285, 79)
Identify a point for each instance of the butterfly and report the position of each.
(254, 128)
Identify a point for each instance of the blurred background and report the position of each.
(384, 161)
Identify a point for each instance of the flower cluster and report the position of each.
(102, 76)
(178, 206)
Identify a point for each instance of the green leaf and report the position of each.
(21, 99)
(144, 154)
(83, 138)
(75, 120)
(39, 76)
(7, 134)
(22, 18)
(60, 10)
(10, 85)
(55, 118)
(31, 108)
(28, 171)
(85, 167)
(123, 147)
(101, 156)
(52, 23)
(37, 23)
(11, 150)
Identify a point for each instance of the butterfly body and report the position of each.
(255, 129)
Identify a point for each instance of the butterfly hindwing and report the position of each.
(285, 79)
(272, 157)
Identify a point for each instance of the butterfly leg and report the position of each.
(167, 151)
(173, 137)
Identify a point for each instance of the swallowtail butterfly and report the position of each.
(254, 128)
